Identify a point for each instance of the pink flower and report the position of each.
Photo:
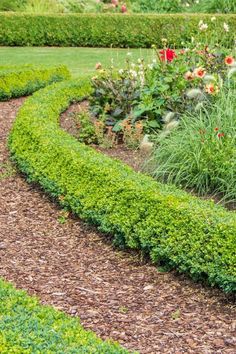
(123, 8)
(211, 89)
(98, 66)
(200, 72)
(189, 75)
(115, 2)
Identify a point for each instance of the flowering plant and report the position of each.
(182, 80)
(116, 93)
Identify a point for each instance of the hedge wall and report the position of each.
(28, 327)
(106, 30)
(17, 81)
(171, 226)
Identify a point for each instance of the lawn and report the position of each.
(79, 60)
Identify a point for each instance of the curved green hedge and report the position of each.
(106, 30)
(17, 81)
(173, 227)
(28, 327)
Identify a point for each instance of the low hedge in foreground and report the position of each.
(17, 81)
(28, 327)
(111, 30)
(171, 226)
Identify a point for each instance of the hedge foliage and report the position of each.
(173, 227)
(16, 81)
(28, 327)
(106, 30)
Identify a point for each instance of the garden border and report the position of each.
(17, 81)
(26, 325)
(110, 30)
(172, 227)
(22, 316)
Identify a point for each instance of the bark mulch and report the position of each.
(75, 269)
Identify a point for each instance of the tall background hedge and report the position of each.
(109, 30)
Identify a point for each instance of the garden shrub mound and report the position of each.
(110, 30)
(28, 327)
(17, 81)
(171, 226)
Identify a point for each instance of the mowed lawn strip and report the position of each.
(80, 61)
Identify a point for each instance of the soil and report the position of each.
(137, 159)
(116, 294)
(133, 158)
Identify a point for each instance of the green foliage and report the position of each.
(86, 129)
(172, 86)
(158, 6)
(106, 30)
(6, 170)
(171, 226)
(11, 5)
(28, 327)
(16, 81)
(201, 154)
(160, 92)
(42, 6)
(115, 93)
(215, 6)
(177, 6)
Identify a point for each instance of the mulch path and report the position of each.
(116, 294)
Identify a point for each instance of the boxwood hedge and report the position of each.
(28, 327)
(17, 81)
(171, 226)
(110, 30)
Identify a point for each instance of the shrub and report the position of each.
(172, 227)
(28, 327)
(216, 6)
(158, 6)
(10, 5)
(201, 154)
(42, 6)
(106, 30)
(115, 93)
(16, 81)
(160, 92)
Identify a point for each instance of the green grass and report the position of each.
(195, 157)
(80, 61)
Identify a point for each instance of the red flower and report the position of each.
(167, 54)
(199, 72)
(229, 60)
(216, 129)
(220, 135)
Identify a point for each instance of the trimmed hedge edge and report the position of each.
(184, 232)
(111, 30)
(28, 327)
(17, 81)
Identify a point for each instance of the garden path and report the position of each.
(116, 294)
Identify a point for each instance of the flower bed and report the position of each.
(17, 81)
(171, 226)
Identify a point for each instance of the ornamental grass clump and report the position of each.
(201, 154)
